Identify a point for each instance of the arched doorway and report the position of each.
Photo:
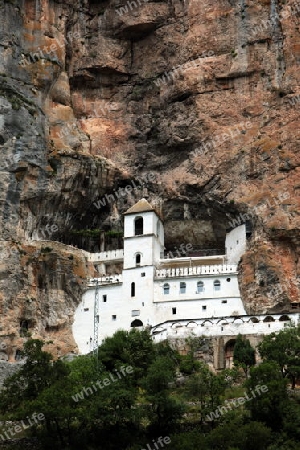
(229, 349)
(136, 323)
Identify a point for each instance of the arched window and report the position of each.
(217, 285)
(200, 287)
(138, 259)
(138, 226)
(182, 289)
(136, 323)
(166, 288)
(132, 289)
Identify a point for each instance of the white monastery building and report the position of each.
(172, 296)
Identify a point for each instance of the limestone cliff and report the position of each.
(201, 95)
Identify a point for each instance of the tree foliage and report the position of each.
(243, 354)
(284, 349)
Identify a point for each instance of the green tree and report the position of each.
(284, 349)
(268, 406)
(229, 436)
(206, 388)
(165, 411)
(132, 347)
(243, 354)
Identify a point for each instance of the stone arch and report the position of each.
(191, 324)
(268, 319)
(176, 325)
(284, 318)
(228, 353)
(136, 323)
(238, 320)
(206, 323)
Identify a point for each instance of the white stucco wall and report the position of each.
(235, 244)
(150, 304)
(227, 326)
(153, 305)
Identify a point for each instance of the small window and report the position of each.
(104, 298)
(237, 242)
(135, 312)
(217, 285)
(204, 307)
(224, 301)
(19, 355)
(143, 304)
(166, 289)
(114, 317)
(132, 289)
(173, 310)
(143, 274)
(200, 287)
(157, 228)
(138, 259)
(182, 288)
(228, 280)
(86, 309)
(138, 226)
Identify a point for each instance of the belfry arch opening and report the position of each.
(138, 226)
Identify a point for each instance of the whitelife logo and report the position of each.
(161, 441)
(86, 391)
(34, 420)
(237, 402)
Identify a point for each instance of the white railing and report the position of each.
(197, 270)
(110, 255)
(106, 279)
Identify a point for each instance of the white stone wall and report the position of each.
(119, 303)
(150, 304)
(235, 244)
(227, 326)
(228, 287)
(150, 224)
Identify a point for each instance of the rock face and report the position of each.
(97, 96)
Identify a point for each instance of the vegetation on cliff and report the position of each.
(131, 396)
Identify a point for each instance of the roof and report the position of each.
(141, 206)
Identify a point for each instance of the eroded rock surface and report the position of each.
(95, 94)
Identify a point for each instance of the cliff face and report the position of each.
(194, 104)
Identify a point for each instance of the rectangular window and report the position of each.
(104, 298)
(132, 289)
(173, 310)
(135, 312)
(114, 317)
(86, 309)
(143, 274)
(182, 288)
(204, 307)
(224, 301)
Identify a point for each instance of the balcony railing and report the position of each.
(194, 271)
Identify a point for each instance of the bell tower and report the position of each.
(143, 236)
